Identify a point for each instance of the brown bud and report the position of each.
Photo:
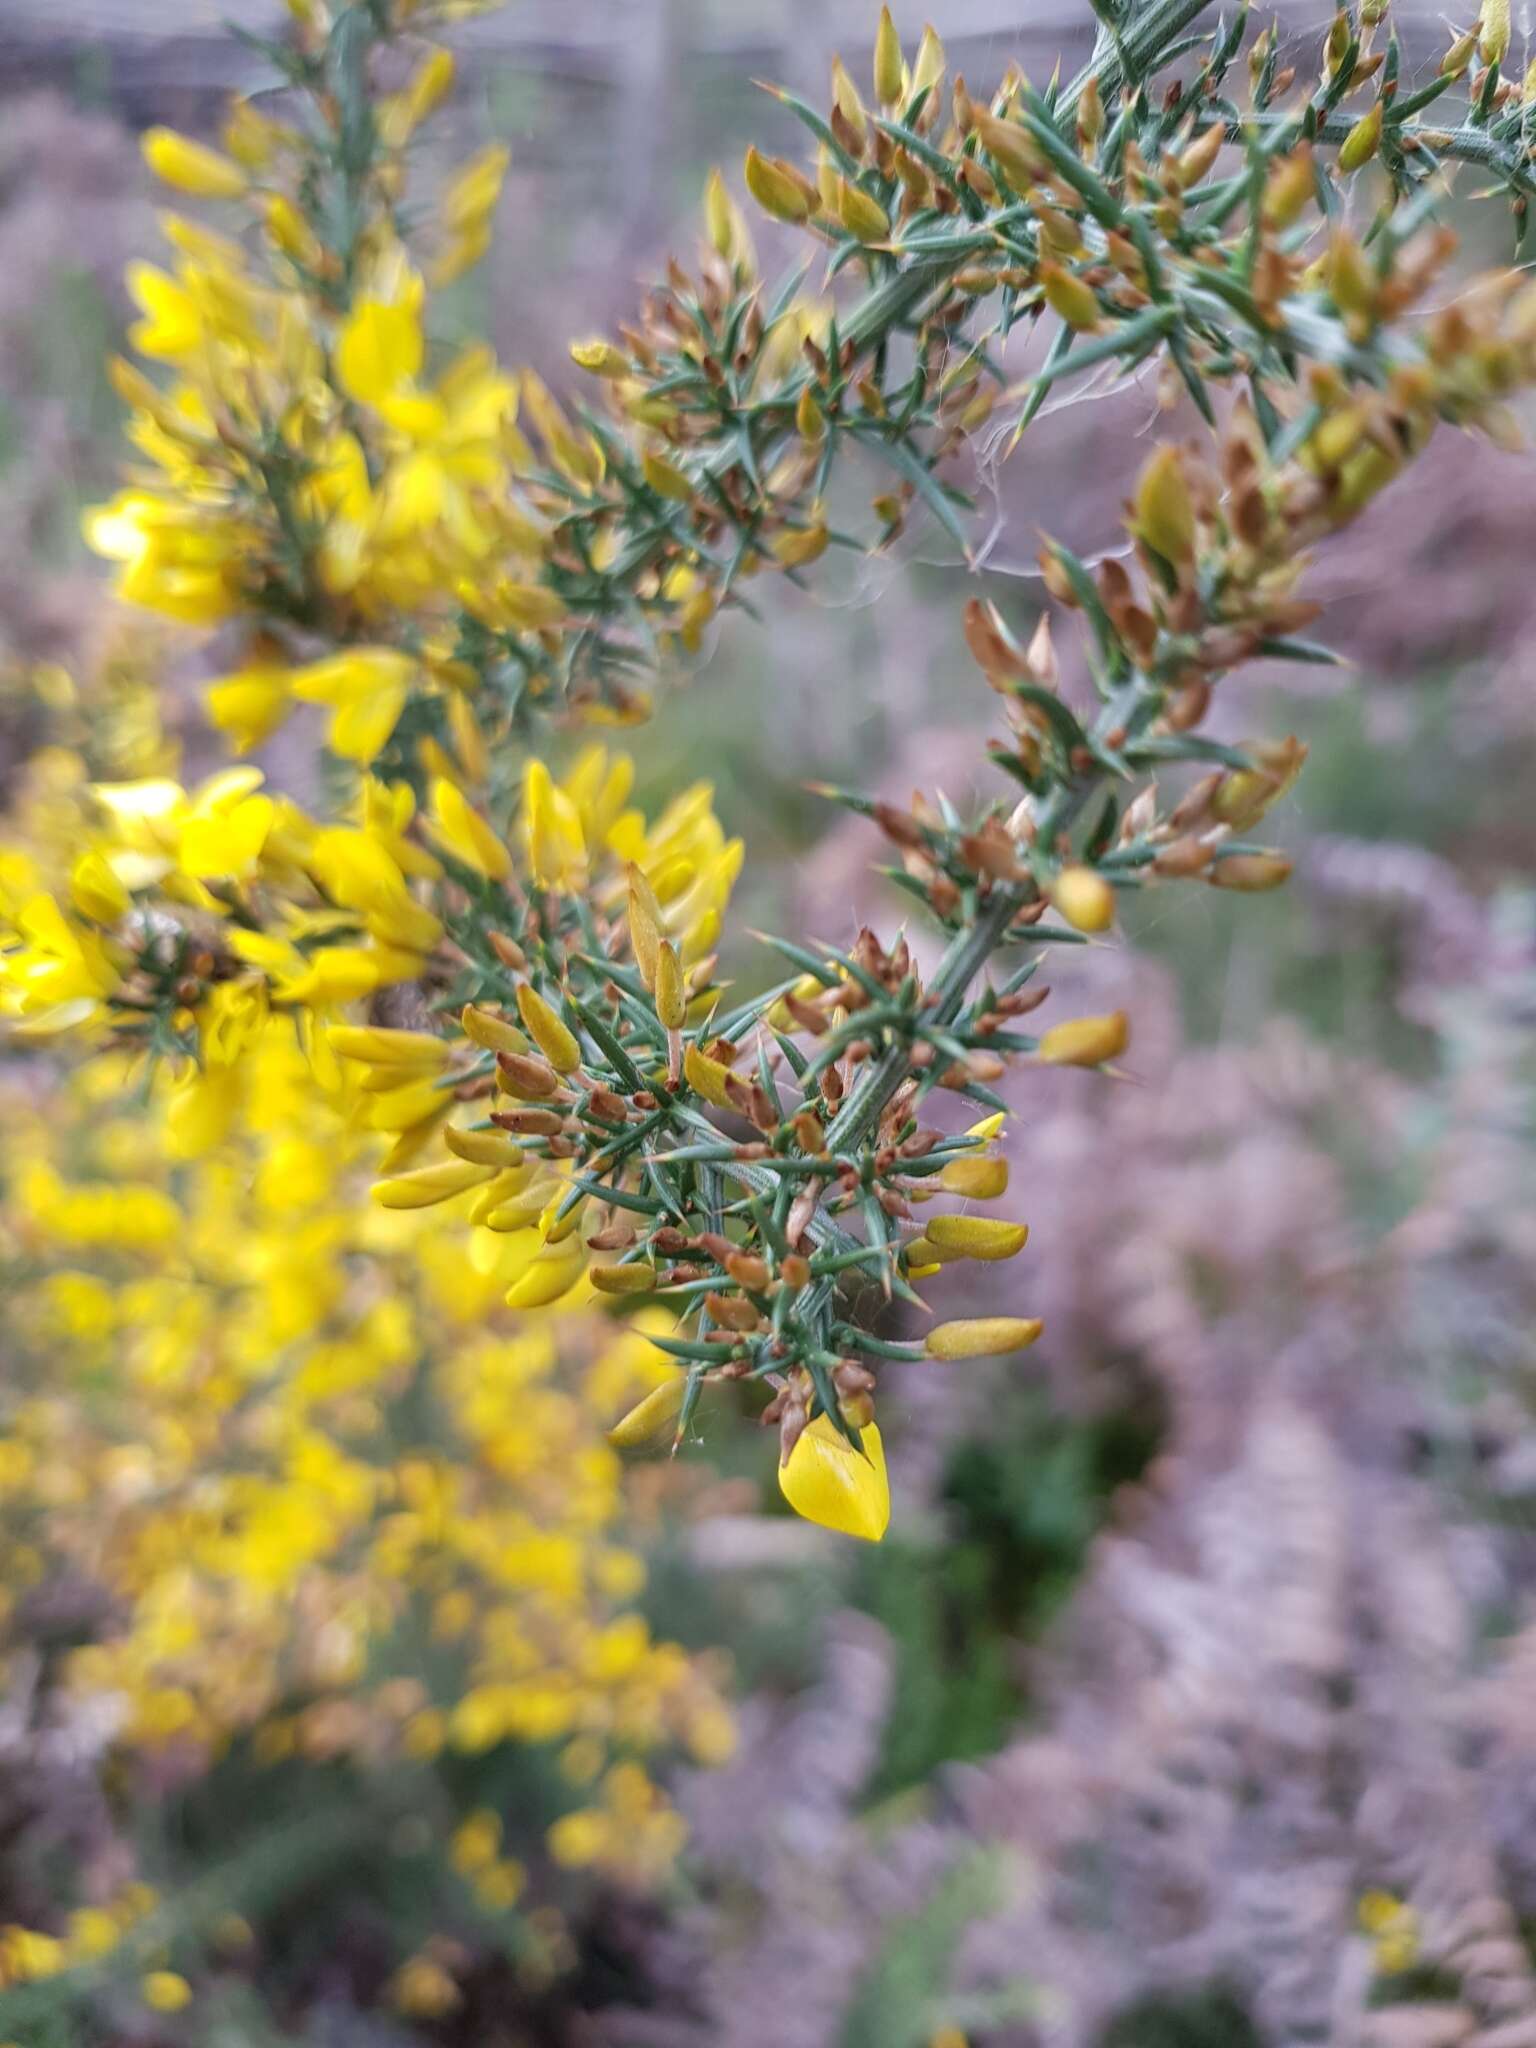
(747, 1270)
(525, 1075)
(529, 1123)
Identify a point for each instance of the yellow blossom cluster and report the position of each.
(319, 1374)
(291, 1434)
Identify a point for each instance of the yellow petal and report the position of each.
(380, 349)
(828, 1482)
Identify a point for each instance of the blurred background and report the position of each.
(1205, 1635)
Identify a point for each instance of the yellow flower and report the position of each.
(829, 1482)
(552, 834)
(460, 830)
(164, 1991)
(191, 166)
(366, 689)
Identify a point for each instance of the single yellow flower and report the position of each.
(829, 1482)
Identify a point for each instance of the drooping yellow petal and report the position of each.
(828, 1482)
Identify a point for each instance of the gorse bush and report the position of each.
(337, 1463)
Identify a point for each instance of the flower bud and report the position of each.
(861, 215)
(671, 999)
(484, 1028)
(526, 1076)
(483, 1148)
(429, 1185)
(551, 1035)
(192, 167)
(1364, 139)
(707, 1077)
(1070, 297)
(1251, 873)
(637, 1277)
(1164, 512)
(980, 1180)
(982, 1336)
(975, 1237)
(1085, 1041)
(1493, 32)
(600, 358)
(795, 548)
(778, 188)
(649, 1416)
(889, 69)
(1200, 155)
(857, 1410)
(644, 926)
(666, 479)
(1084, 898)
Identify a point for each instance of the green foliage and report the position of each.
(1024, 1503)
(902, 1996)
(1204, 2016)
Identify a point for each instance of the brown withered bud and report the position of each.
(529, 1123)
(899, 826)
(801, 1210)
(1056, 579)
(944, 896)
(848, 138)
(977, 178)
(806, 1015)
(474, 1090)
(1022, 1001)
(992, 851)
(679, 1275)
(810, 1134)
(1182, 857)
(747, 1270)
(795, 1271)
(732, 1312)
(751, 1098)
(508, 952)
(612, 1108)
(792, 1426)
(617, 1237)
(918, 1144)
(669, 1240)
(1187, 707)
(1194, 807)
(894, 1204)
(716, 1246)
(851, 1378)
(992, 646)
(526, 1075)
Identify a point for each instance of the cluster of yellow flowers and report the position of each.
(288, 1432)
(341, 1463)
